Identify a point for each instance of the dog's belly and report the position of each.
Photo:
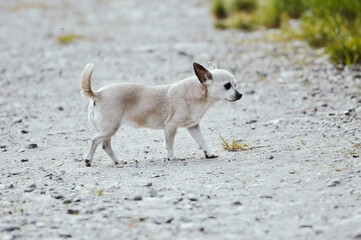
(143, 122)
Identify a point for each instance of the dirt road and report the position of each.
(301, 116)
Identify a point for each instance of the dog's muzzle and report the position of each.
(238, 96)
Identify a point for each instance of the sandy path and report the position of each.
(309, 188)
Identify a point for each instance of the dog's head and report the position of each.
(220, 83)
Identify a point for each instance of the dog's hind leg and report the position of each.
(104, 134)
(195, 132)
(108, 149)
(94, 144)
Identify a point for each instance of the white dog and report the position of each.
(165, 107)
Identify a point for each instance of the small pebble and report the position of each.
(251, 121)
(64, 235)
(57, 196)
(334, 183)
(193, 199)
(32, 146)
(72, 211)
(169, 220)
(24, 131)
(270, 157)
(18, 120)
(60, 108)
(24, 160)
(137, 198)
(9, 229)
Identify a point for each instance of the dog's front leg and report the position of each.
(195, 132)
(169, 134)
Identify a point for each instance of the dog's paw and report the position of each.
(210, 155)
(88, 162)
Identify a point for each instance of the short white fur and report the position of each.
(166, 107)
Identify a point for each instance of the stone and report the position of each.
(65, 235)
(60, 108)
(19, 120)
(72, 211)
(137, 198)
(30, 188)
(31, 146)
(270, 157)
(169, 220)
(334, 183)
(24, 160)
(251, 121)
(9, 228)
(153, 193)
(57, 196)
(193, 198)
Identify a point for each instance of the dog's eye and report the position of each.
(227, 86)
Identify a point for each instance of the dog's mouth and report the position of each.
(236, 99)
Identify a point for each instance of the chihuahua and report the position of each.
(165, 107)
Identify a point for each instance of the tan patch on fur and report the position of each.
(142, 103)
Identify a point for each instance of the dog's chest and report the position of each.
(196, 114)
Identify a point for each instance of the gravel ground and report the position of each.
(299, 114)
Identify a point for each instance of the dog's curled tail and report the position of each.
(85, 81)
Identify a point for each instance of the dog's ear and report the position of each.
(211, 66)
(202, 74)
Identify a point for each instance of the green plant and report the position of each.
(220, 24)
(234, 146)
(356, 145)
(332, 24)
(30, 5)
(243, 5)
(69, 38)
(243, 21)
(271, 17)
(336, 169)
(219, 9)
(97, 192)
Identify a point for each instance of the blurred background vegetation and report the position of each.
(333, 24)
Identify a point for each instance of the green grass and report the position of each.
(30, 5)
(219, 9)
(243, 5)
(96, 192)
(332, 24)
(68, 38)
(234, 146)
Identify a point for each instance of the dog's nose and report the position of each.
(238, 95)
